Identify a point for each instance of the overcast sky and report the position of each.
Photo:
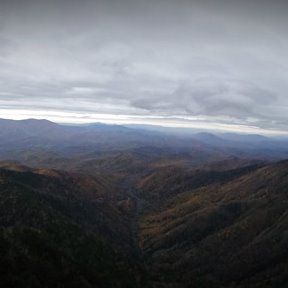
(193, 63)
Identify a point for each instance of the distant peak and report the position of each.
(29, 120)
(33, 120)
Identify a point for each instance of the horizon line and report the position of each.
(161, 125)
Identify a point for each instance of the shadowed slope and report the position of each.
(233, 231)
(58, 230)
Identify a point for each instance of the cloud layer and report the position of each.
(217, 62)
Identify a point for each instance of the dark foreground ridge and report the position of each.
(58, 230)
(63, 229)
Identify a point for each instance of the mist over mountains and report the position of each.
(30, 139)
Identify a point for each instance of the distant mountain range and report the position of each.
(21, 138)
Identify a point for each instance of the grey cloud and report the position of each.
(210, 98)
(215, 59)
